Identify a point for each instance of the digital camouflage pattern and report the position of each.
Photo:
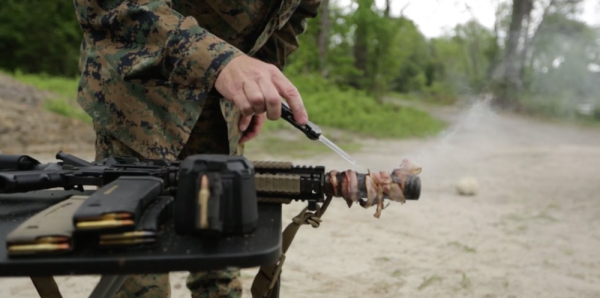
(148, 66)
(208, 136)
(147, 73)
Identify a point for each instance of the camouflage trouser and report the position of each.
(208, 136)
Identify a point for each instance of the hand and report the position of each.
(255, 124)
(257, 87)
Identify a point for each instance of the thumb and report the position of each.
(245, 122)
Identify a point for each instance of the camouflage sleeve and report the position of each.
(285, 40)
(146, 41)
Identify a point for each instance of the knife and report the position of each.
(313, 132)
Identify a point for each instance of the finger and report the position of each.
(254, 96)
(272, 99)
(288, 91)
(242, 102)
(254, 129)
(245, 122)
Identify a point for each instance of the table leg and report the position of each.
(46, 286)
(108, 286)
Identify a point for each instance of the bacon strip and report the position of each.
(372, 188)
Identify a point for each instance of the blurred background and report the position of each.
(374, 60)
(498, 100)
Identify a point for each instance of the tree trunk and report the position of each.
(510, 84)
(388, 7)
(323, 36)
(526, 44)
(361, 44)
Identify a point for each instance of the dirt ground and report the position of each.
(533, 229)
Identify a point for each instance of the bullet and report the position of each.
(29, 248)
(104, 224)
(127, 235)
(203, 196)
(127, 241)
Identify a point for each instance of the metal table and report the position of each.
(172, 253)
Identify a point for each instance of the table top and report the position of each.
(172, 253)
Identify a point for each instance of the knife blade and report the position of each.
(314, 132)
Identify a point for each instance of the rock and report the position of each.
(467, 186)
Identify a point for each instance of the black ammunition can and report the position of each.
(231, 208)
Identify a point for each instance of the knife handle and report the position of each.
(311, 130)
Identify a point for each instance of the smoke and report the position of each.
(564, 74)
(476, 127)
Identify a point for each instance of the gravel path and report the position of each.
(533, 230)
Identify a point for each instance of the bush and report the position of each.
(352, 110)
(39, 37)
(327, 105)
(65, 87)
(64, 108)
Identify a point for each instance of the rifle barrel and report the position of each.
(25, 181)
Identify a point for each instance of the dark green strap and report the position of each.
(267, 275)
(46, 286)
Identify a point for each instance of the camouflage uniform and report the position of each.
(147, 73)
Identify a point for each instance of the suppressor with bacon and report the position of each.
(283, 182)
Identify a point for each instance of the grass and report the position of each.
(465, 282)
(328, 106)
(463, 247)
(424, 98)
(64, 108)
(354, 111)
(429, 281)
(397, 273)
(64, 88)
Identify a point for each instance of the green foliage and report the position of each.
(355, 111)
(328, 106)
(41, 36)
(65, 88)
(369, 56)
(381, 55)
(564, 49)
(67, 109)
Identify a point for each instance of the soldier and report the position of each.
(170, 78)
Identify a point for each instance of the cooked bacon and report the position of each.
(372, 188)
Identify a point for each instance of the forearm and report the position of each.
(146, 40)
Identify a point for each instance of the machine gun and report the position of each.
(206, 195)
(234, 182)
